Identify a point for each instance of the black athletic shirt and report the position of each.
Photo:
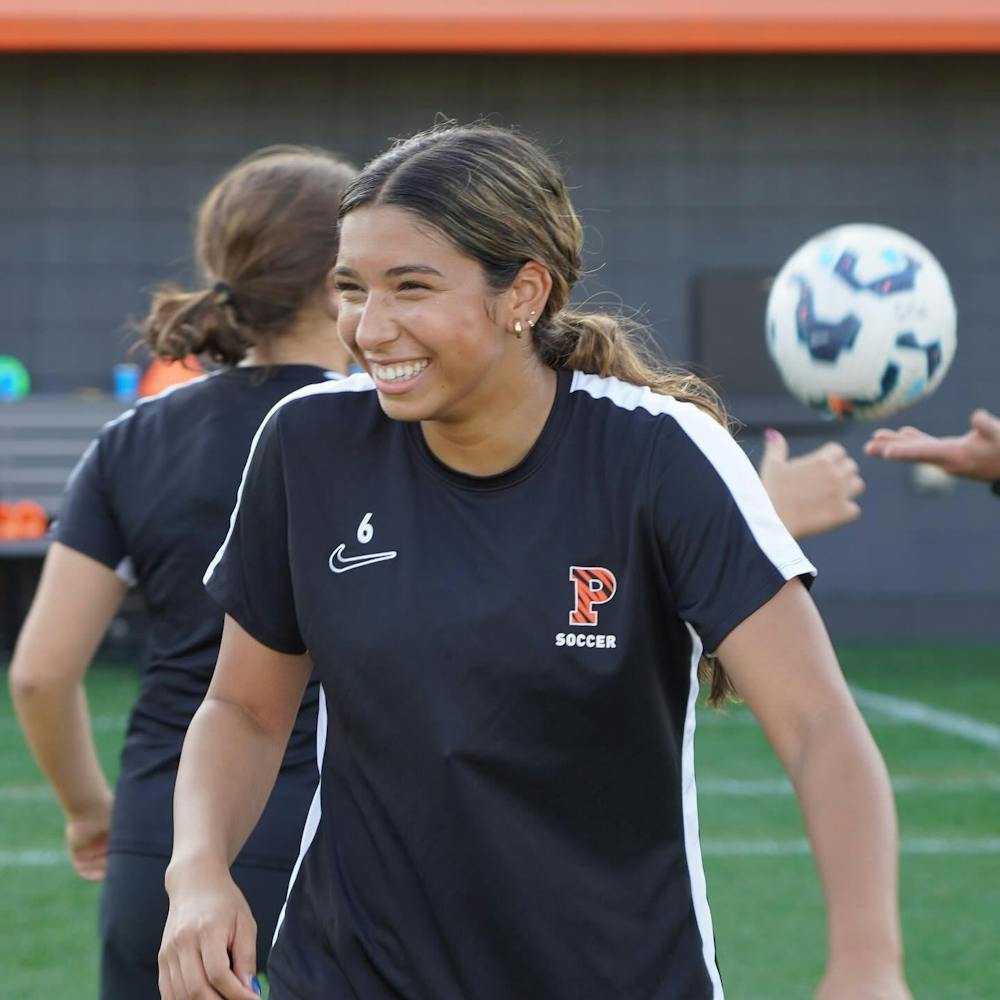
(151, 498)
(507, 806)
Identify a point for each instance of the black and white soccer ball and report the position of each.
(861, 322)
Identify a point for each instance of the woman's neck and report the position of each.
(498, 436)
(312, 340)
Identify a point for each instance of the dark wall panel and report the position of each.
(679, 165)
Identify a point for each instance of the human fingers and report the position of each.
(852, 511)
(182, 969)
(165, 982)
(876, 444)
(833, 451)
(839, 460)
(986, 424)
(243, 947)
(922, 449)
(88, 849)
(775, 453)
(218, 959)
(92, 865)
(194, 972)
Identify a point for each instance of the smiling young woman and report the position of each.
(506, 611)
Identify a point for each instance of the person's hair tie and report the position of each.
(223, 294)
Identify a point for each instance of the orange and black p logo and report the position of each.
(593, 585)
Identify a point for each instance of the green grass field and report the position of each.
(763, 888)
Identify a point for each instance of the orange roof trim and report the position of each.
(635, 26)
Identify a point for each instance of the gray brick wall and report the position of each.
(680, 165)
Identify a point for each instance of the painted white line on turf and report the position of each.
(710, 848)
(797, 848)
(902, 784)
(26, 793)
(748, 788)
(953, 723)
(32, 859)
(710, 718)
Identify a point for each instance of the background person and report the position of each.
(149, 502)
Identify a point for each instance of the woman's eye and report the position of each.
(413, 286)
(345, 287)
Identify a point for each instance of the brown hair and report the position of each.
(266, 238)
(502, 200)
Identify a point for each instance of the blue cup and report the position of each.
(125, 382)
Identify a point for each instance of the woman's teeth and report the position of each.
(397, 373)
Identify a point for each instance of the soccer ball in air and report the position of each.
(861, 322)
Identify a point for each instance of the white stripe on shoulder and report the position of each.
(355, 383)
(726, 456)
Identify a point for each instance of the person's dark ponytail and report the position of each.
(182, 323)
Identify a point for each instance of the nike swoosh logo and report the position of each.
(339, 563)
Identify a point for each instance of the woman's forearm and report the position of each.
(227, 770)
(75, 602)
(846, 799)
(53, 714)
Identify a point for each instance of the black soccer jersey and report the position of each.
(507, 803)
(151, 498)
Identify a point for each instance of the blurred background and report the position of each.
(704, 141)
(702, 151)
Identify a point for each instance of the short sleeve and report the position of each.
(86, 520)
(726, 550)
(250, 576)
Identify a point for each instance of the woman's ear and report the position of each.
(528, 294)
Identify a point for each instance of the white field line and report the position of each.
(800, 847)
(953, 723)
(33, 859)
(26, 793)
(749, 788)
(901, 784)
(710, 848)
(889, 710)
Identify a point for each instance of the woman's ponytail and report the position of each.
(610, 345)
(182, 323)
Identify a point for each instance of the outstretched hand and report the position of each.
(974, 455)
(814, 492)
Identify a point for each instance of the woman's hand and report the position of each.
(974, 455)
(87, 841)
(815, 492)
(209, 946)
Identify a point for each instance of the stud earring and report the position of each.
(518, 329)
